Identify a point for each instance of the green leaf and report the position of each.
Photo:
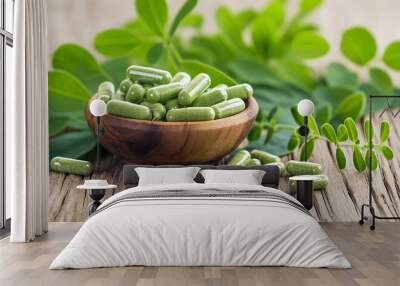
(294, 141)
(229, 27)
(155, 53)
(307, 6)
(358, 45)
(324, 114)
(391, 56)
(154, 13)
(337, 75)
(66, 92)
(330, 95)
(309, 45)
(116, 42)
(310, 149)
(381, 80)
(245, 17)
(263, 34)
(351, 129)
(340, 158)
(116, 68)
(57, 123)
(275, 10)
(352, 106)
(296, 116)
(313, 126)
(193, 20)
(374, 160)
(295, 72)
(384, 131)
(182, 13)
(80, 63)
(72, 144)
(329, 132)
(368, 130)
(270, 132)
(272, 113)
(386, 151)
(217, 77)
(255, 132)
(358, 160)
(342, 134)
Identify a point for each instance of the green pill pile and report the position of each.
(153, 94)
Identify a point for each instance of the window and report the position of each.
(6, 65)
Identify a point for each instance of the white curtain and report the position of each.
(26, 146)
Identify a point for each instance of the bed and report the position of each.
(198, 224)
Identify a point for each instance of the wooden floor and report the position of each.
(375, 257)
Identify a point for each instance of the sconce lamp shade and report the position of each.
(305, 107)
(98, 108)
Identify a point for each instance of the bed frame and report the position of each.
(270, 179)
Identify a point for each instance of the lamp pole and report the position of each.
(305, 108)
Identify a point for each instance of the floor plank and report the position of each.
(375, 257)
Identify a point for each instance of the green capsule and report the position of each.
(191, 114)
(148, 75)
(71, 166)
(163, 93)
(240, 158)
(253, 162)
(135, 93)
(264, 157)
(119, 95)
(106, 87)
(211, 97)
(172, 104)
(190, 92)
(158, 110)
(104, 97)
(242, 91)
(182, 78)
(320, 182)
(125, 85)
(221, 85)
(228, 108)
(295, 168)
(280, 165)
(129, 110)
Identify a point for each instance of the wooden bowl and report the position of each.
(154, 142)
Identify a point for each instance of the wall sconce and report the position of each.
(305, 108)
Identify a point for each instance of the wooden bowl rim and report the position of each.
(251, 107)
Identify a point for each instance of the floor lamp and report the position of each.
(305, 108)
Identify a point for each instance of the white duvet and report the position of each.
(200, 231)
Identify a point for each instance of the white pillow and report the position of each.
(247, 177)
(163, 176)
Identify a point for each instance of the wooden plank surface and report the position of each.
(375, 259)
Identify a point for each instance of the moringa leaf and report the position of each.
(116, 68)
(310, 149)
(386, 151)
(352, 106)
(245, 17)
(155, 52)
(324, 114)
(340, 158)
(374, 160)
(263, 34)
(391, 56)
(337, 75)
(72, 144)
(313, 126)
(351, 129)
(294, 141)
(381, 80)
(217, 77)
(358, 160)
(309, 45)
(368, 130)
(296, 115)
(384, 131)
(81, 63)
(255, 132)
(329, 132)
(154, 13)
(116, 42)
(182, 13)
(358, 45)
(342, 134)
(57, 123)
(193, 20)
(306, 6)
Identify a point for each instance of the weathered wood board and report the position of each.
(341, 201)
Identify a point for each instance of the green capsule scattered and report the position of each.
(211, 97)
(135, 93)
(295, 168)
(182, 77)
(129, 110)
(228, 108)
(242, 91)
(172, 104)
(240, 158)
(148, 75)
(125, 85)
(71, 166)
(163, 93)
(118, 95)
(104, 97)
(253, 162)
(190, 92)
(221, 85)
(106, 87)
(158, 110)
(280, 165)
(264, 157)
(191, 114)
(320, 182)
